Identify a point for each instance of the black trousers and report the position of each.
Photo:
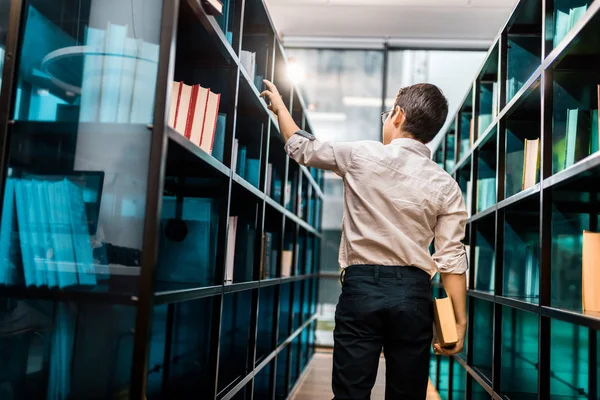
(389, 308)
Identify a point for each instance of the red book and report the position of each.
(210, 122)
(199, 115)
(183, 109)
(191, 109)
(175, 98)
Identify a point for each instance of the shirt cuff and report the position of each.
(457, 265)
(292, 144)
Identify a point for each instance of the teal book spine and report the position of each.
(34, 237)
(595, 132)
(6, 229)
(241, 162)
(253, 171)
(42, 190)
(61, 237)
(81, 235)
(24, 234)
(219, 142)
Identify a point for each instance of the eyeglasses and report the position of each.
(384, 115)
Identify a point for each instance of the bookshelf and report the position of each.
(528, 336)
(153, 312)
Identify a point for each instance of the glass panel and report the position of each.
(521, 250)
(59, 350)
(567, 235)
(235, 338)
(281, 389)
(485, 257)
(519, 354)
(266, 314)
(459, 382)
(444, 377)
(568, 360)
(483, 341)
(478, 391)
(262, 382)
(80, 146)
(489, 95)
(486, 179)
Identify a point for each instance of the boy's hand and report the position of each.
(458, 347)
(273, 97)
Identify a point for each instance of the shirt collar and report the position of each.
(414, 145)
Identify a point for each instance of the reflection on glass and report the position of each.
(80, 146)
(519, 353)
(568, 360)
(521, 256)
(59, 350)
(444, 377)
(483, 341)
(485, 257)
(459, 382)
(478, 392)
(567, 236)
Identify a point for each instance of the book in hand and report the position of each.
(531, 162)
(590, 268)
(445, 322)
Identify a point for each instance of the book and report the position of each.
(92, 75)
(248, 60)
(267, 250)
(531, 163)
(218, 150)
(210, 121)
(198, 114)
(590, 268)
(47, 233)
(80, 233)
(241, 163)
(577, 136)
(252, 171)
(183, 109)
(174, 106)
(445, 322)
(595, 131)
(112, 71)
(286, 263)
(127, 83)
(471, 132)
(22, 203)
(35, 236)
(231, 243)
(565, 21)
(6, 229)
(234, 155)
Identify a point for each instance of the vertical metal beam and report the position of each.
(8, 90)
(154, 191)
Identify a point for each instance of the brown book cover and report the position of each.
(590, 268)
(445, 322)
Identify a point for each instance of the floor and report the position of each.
(316, 383)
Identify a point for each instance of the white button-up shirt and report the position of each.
(396, 202)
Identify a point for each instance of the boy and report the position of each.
(396, 201)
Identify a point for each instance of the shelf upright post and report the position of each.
(8, 90)
(154, 191)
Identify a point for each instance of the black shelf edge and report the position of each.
(179, 296)
(521, 196)
(559, 51)
(243, 382)
(278, 207)
(44, 293)
(482, 214)
(590, 320)
(248, 186)
(213, 28)
(481, 380)
(289, 279)
(485, 136)
(518, 304)
(206, 158)
(584, 165)
(481, 295)
(462, 162)
(312, 181)
(302, 223)
(240, 287)
(532, 83)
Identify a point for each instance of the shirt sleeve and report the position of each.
(307, 150)
(450, 256)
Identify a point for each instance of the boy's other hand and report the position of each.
(273, 97)
(457, 348)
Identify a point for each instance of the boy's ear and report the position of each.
(399, 116)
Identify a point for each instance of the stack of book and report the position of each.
(566, 20)
(245, 166)
(53, 232)
(581, 138)
(119, 77)
(194, 113)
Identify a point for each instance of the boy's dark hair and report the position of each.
(425, 108)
